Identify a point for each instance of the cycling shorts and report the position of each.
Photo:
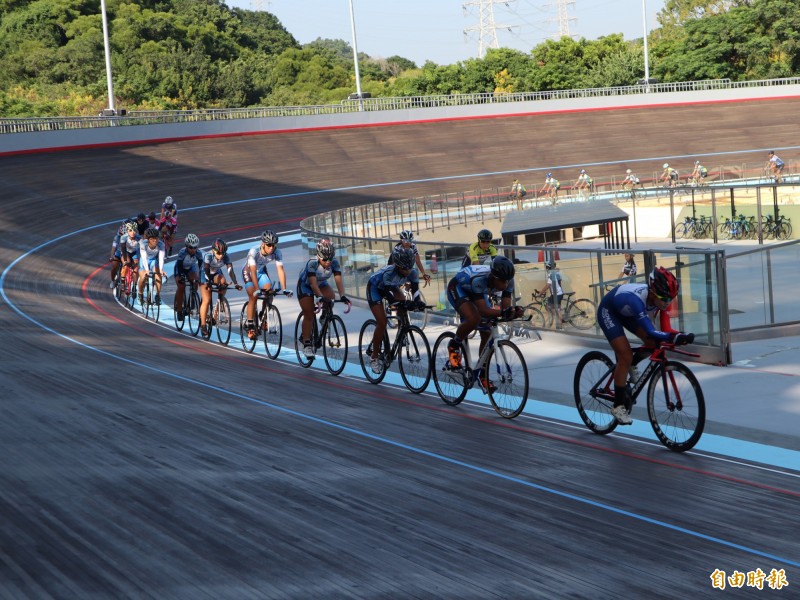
(304, 290)
(613, 325)
(376, 296)
(263, 279)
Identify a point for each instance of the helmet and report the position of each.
(666, 166)
(697, 162)
(549, 174)
(152, 216)
(628, 171)
(550, 265)
(151, 233)
(484, 235)
(403, 258)
(502, 268)
(219, 246)
(406, 236)
(663, 283)
(140, 217)
(130, 226)
(169, 202)
(583, 171)
(325, 250)
(191, 241)
(269, 237)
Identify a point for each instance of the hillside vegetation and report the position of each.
(185, 54)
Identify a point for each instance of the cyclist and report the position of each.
(518, 190)
(584, 183)
(776, 166)
(129, 248)
(553, 285)
(152, 220)
(256, 277)
(313, 282)
(407, 241)
(141, 223)
(115, 258)
(188, 267)
(151, 252)
(387, 283)
(167, 226)
(212, 273)
(169, 208)
(669, 176)
(480, 252)
(551, 187)
(468, 293)
(630, 181)
(631, 306)
(699, 174)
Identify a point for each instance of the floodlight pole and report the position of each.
(646, 53)
(355, 57)
(108, 58)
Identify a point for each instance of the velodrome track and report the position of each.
(138, 463)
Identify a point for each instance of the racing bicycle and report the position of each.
(675, 404)
(500, 371)
(151, 308)
(410, 348)
(418, 318)
(218, 315)
(579, 313)
(329, 334)
(190, 307)
(267, 320)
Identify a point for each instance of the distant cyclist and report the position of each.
(213, 263)
(129, 248)
(256, 277)
(699, 174)
(584, 184)
(480, 252)
(468, 293)
(387, 283)
(669, 176)
(550, 188)
(167, 226)
(776, 167)
(313, 282)
(553, 287)
(518, 190)
(630, 181)
(115, 257)
(407, 241)
(631, 306)
(151, 260)
(169, 208)
(141, 223)
(188, 267)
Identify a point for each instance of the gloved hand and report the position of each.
(508, 312)
(409, 305)
(520, 312)
(345, 299)
(288, 293)
(419, 305)
(682, 339)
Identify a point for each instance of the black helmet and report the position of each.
(152, 216)
(270, 237)
(151, 232)
(406, 236)
(502, 268)
(403, 258)
(140, 217)
(484, 235)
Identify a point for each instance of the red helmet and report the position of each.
(663, 284)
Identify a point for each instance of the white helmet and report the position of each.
(628, 171)
(666, 166)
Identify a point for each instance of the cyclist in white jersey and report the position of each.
(256, 277)
(151, 258)
(129, 248)
(213, 263)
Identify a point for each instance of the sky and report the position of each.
(422, 30)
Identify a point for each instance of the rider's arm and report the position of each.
(232, 274)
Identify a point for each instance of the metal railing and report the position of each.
(134, 117)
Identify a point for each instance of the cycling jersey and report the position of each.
(129, 247)
(170, 222)
(472, 283)
(212, 266)
(151, 256)
(477, 255)
(260, 261)
(387, 280)
(626, 307)
(412, 247)
(313, 268)
(554, 283)
(777, 161)
(629, 269)
(185, 263)
(173, 211)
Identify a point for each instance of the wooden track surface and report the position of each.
(139, 463)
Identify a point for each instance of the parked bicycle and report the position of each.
(191, 307)
(218, 315)
(500, 371)
(692, 227)
(410, 348)
(329, 334)
(675, 403)
(579, 313)
(779, 229)
(267, 321)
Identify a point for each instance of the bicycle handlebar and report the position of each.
(668, 346)
(321, 301)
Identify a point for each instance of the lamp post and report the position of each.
(108, 58)
(355, 57)
(646, 59)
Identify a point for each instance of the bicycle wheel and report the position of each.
(206, 333)
(508, 375)
(192, 312)
(334, 345)
(156, 308)
(305, 361)
(365, 351)
(223, 317)
(582, 314)
(451, 383)
(676, 407)
(419, 318)
(272, 328)
(537, 318)
(414, 358)
(784, 231)
(187, 295)
(680, 230)
(593, 389)
(247, 343)
(147, 297)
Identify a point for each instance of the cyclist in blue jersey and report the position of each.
(468, 293)
(386, 283)
(151, 258)
(256, 277)
(115, 258)
(213, 263)
(407, 241)
(313, 282)
(188, 267)
(632, 306)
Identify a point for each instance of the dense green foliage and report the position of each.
(182, 54)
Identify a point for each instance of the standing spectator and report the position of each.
(629, 269)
